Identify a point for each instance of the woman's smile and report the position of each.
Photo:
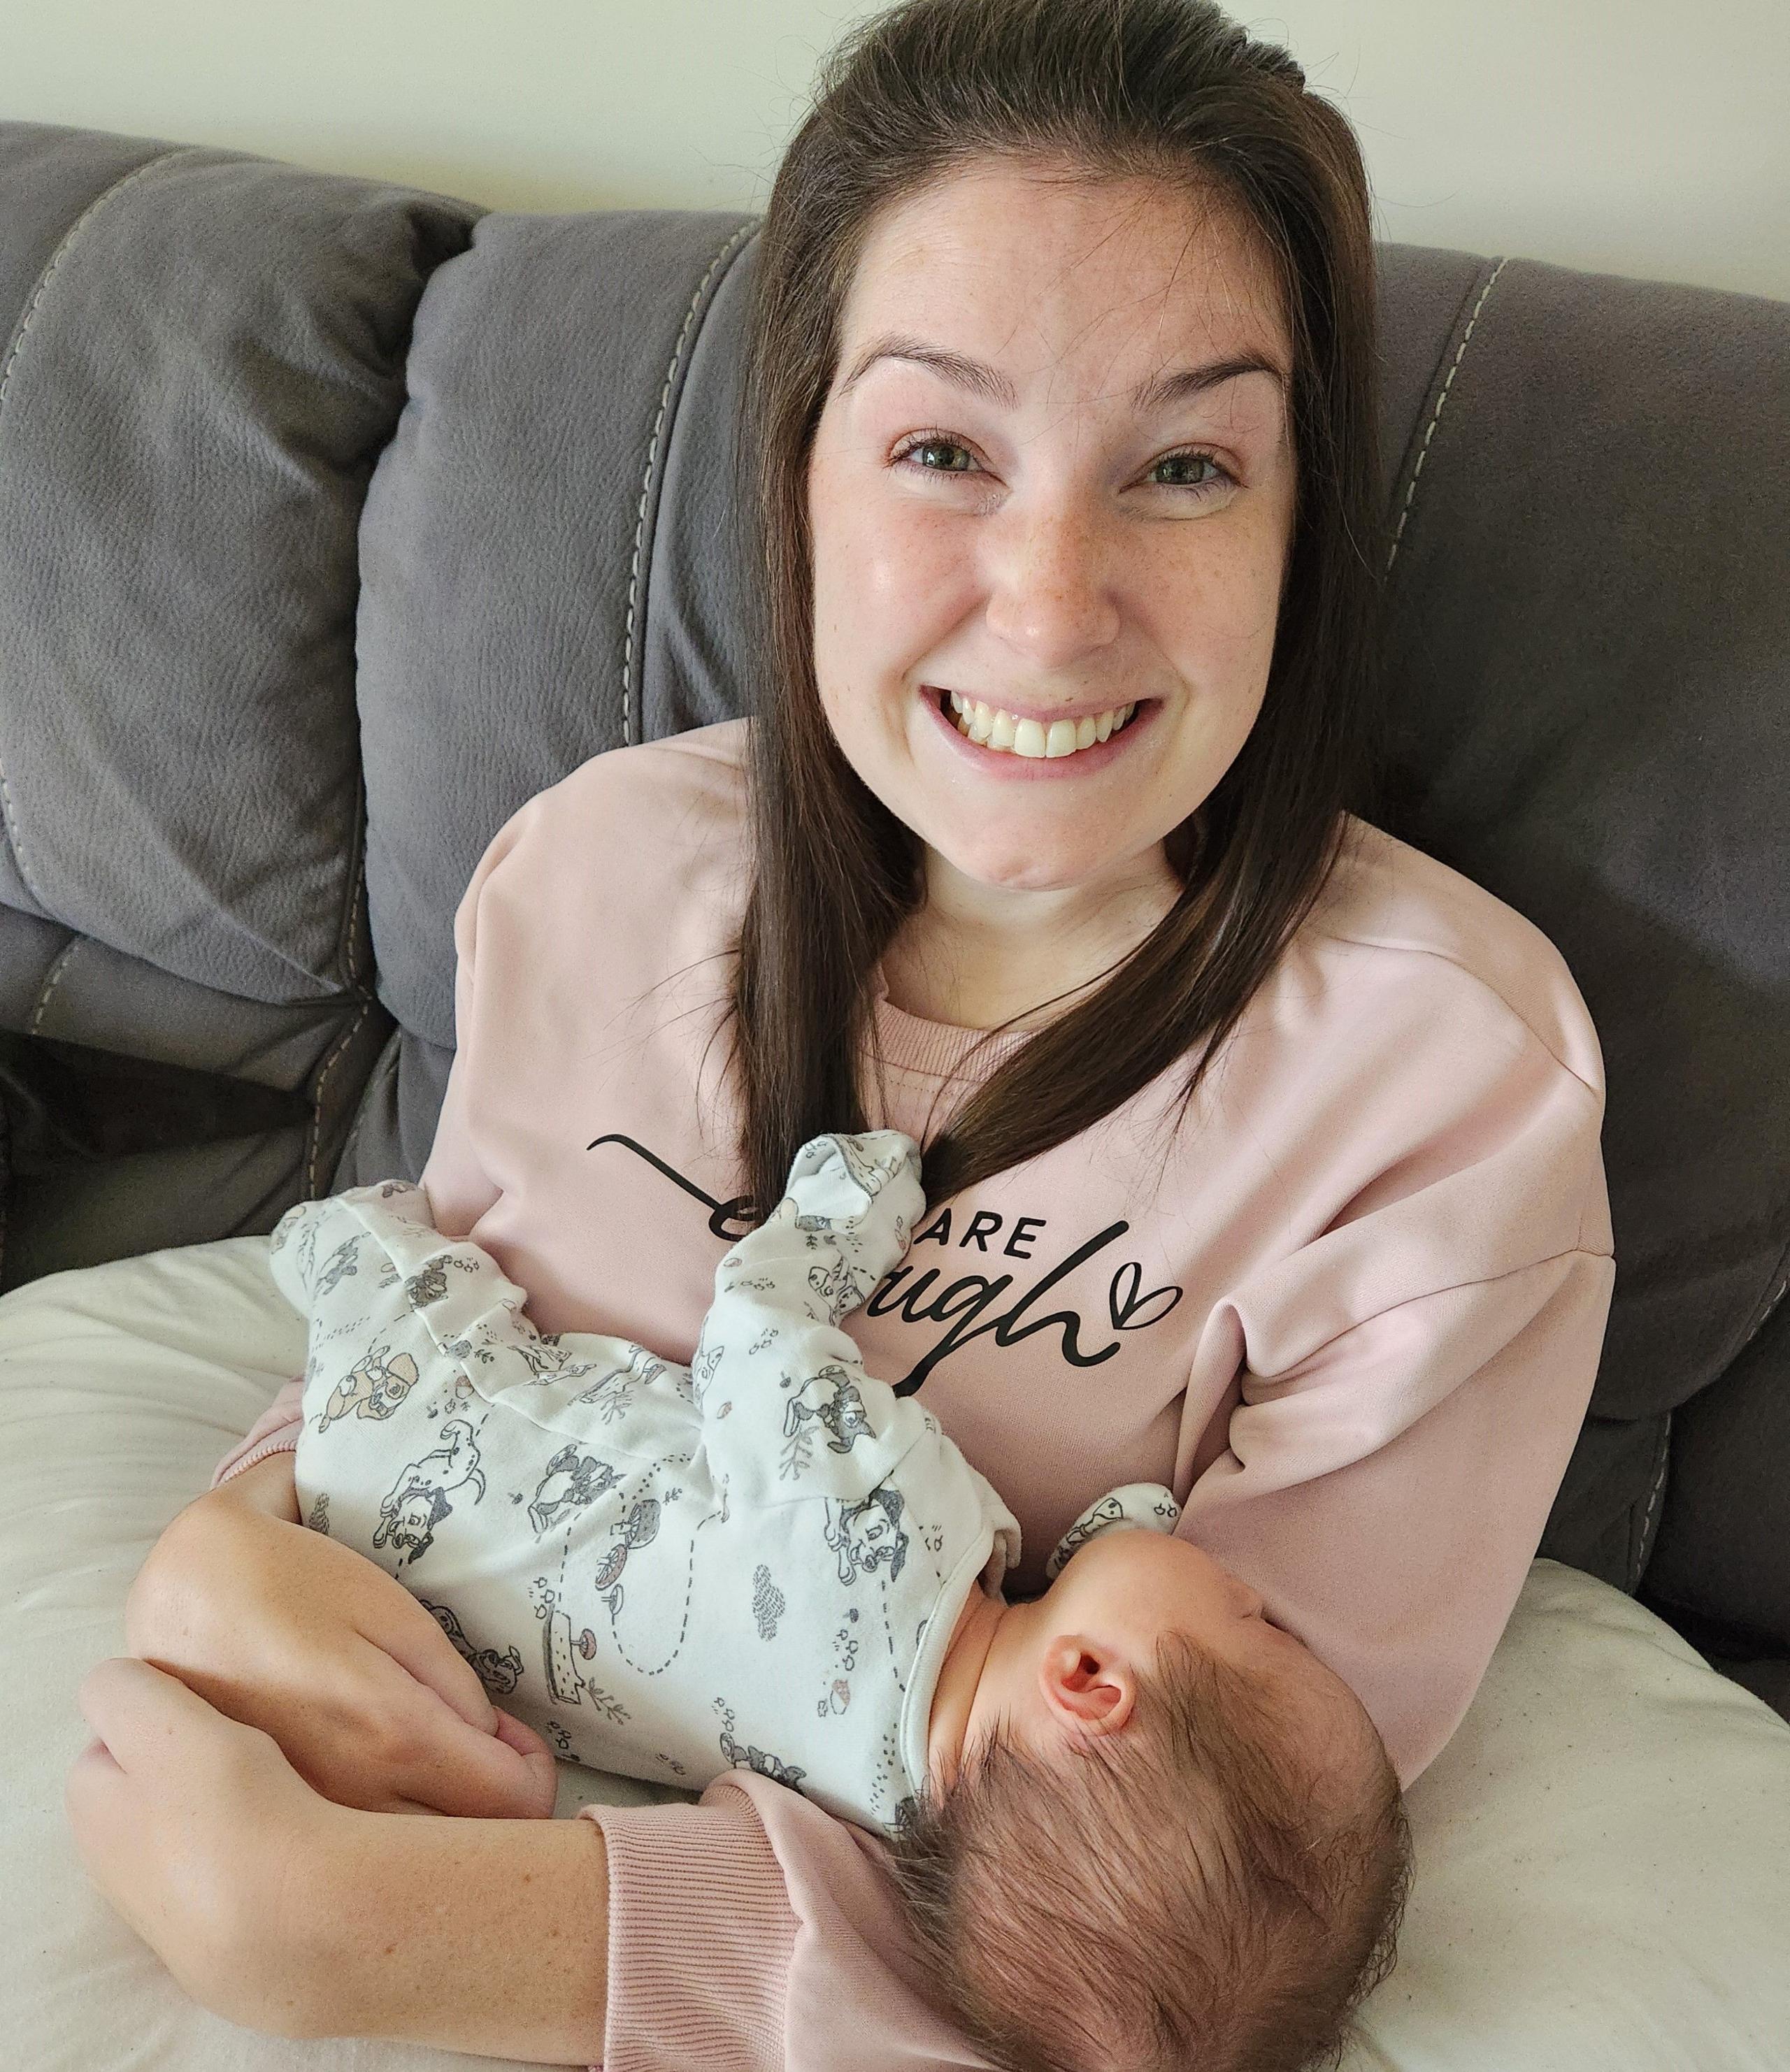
(1012, 756)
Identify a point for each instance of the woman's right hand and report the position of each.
(290, 1631)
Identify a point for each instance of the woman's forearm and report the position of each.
(268, 1486)
(486, 1936)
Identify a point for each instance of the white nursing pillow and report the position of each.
(1602, 1851)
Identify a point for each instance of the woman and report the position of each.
(1262, 1151)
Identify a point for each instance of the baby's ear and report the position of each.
(1088, 1686)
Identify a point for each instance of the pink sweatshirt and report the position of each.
(1353, 1322)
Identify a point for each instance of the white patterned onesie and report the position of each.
(668, 1571)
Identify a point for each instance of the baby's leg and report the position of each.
(845, 1220)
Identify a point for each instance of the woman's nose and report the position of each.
(1050, 595)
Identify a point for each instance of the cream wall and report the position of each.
(1636, 136)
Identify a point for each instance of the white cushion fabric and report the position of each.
(1603, 1850)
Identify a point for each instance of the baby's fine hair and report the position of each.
(1216, 1886)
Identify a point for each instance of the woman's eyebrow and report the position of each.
(976, 375)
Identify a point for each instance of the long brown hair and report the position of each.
(1168, 90)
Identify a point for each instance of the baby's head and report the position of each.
(1168, 1835)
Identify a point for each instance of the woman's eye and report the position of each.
(1209, 476)
(931, 442)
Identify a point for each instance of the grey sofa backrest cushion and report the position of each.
(1590, 645)
(540, 577)
(206, 367)
(542, 573)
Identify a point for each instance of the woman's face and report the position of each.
(1000, 508)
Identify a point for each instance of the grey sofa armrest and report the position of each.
(66, 1108)
(204, 357)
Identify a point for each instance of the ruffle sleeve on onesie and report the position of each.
(1149, 1505)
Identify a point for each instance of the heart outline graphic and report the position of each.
(1126, 1309)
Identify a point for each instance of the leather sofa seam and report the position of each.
(330, 1063)
(1645, 1536)
(52, 982)
(1435, 415)
(745, 231)
(383, 1071)
(74, 231)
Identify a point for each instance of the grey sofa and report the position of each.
(337, 518)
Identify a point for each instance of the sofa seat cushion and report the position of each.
(1602, 1851)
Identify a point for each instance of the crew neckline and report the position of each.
(940, 1050)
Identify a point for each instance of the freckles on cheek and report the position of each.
(901, 560)
(885, 574)
(1235, 604)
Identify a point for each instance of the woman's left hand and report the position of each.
(204, 1838)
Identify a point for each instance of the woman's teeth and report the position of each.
(991, 728)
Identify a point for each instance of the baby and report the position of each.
(1132, 1822)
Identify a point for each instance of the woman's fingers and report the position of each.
(339, 1667)
(537, 1758)
(440, 1760)
(402, 1627)
(468, 1764)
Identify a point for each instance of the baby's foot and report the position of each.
(863, 1185)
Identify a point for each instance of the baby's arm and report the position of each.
(382, 1286)
(328, 1262)
(788, 1408)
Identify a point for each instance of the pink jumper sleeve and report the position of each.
(751, 1932)
(275, 1431)
(1410, 1385)
(1393, 1539)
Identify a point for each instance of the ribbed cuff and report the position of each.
(700, 1932)
(285, 1441)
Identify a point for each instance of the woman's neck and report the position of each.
(976, 956)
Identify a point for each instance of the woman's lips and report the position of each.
(1002, 764)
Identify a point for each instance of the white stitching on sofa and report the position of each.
(74, 231)
(1647, 1517)
(1435, 416)
(317, 1098)
(348, 937)
(385, 1070)
(745, 231)
(1764, 1317)
(52, 982)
